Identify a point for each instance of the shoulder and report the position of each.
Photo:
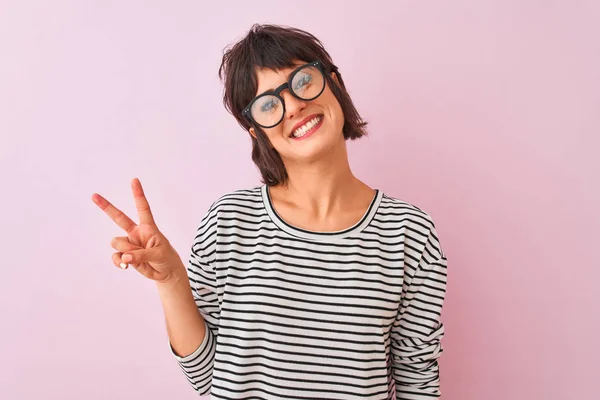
(238, 201)
(241, 197)
(394, 208)
(417, 224)
(239, 204)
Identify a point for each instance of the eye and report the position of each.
(303, 81)
(269, 105)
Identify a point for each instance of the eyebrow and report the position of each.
(287, 78)
(270, 90)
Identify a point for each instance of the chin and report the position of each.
(318, 149)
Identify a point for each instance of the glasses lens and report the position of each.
(308, 83)
(267, 110)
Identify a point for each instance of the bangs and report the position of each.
(270, 52)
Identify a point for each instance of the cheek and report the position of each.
(274, 133)
(335, 109)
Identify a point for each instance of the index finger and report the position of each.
(141, 203)
(114, 213)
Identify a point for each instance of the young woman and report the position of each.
(312, 285)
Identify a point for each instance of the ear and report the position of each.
(335, 78)
(253, 133)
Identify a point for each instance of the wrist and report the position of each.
(175, 279)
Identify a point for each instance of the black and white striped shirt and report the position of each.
(297, 314)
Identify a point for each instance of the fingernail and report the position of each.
(123, 265)
(126, 258)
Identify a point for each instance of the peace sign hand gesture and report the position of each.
(144, 247)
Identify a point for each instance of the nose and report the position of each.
(293, 105)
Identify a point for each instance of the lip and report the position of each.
(299, 124)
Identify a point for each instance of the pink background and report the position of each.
(484, 113)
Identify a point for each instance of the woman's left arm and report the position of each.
(418, 329)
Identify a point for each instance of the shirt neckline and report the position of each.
(321, 235)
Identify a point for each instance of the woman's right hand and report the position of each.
(144, 247)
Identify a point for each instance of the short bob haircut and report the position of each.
(276, 47)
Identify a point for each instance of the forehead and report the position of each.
(269, 79)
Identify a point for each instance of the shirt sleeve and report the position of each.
(418, 329)
(198, 366)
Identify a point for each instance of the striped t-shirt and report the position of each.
(298, 314)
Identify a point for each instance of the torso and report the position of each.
(303, 308)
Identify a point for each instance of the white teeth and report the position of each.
(306, 127)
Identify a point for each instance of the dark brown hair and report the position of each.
(276, 47)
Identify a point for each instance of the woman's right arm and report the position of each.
(192, 309)
(188, 293)
(185, 326)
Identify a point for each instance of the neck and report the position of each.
(321, 187)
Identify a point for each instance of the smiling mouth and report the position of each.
(308, 127)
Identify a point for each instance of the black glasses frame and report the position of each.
(277, 93)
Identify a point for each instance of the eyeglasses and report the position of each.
(306, 83)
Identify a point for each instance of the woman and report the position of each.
(313, 285)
